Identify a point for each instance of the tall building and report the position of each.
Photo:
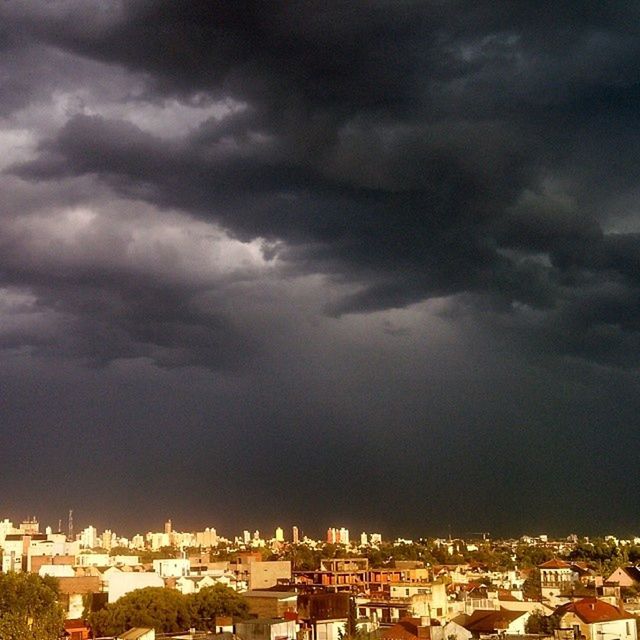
(295, 536)
(207, 538)
(332, 535)
(364, 539)
(89, 537)
(108, 539)
(246, 536)
(168, 526)
(343, 536)
(279, 534)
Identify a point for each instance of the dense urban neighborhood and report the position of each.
(288, 586)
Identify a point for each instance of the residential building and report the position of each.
(594, 619)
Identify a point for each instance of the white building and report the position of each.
(172, 567)
(124, 582)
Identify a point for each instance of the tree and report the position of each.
(532, 587)
(217, 600)
(29, 608)
(540, 624)
(164, 610)
(147, 556)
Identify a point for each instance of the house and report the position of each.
(490, 622)
(410, 629)
(266, 629)
(106, 576)
(172, 567)
(270, 604)
(56, 571)
(323, 615)
(428, 599)
(594, 619)
(194, 584)
(451, 631)
(556, 577)
(625, 577)
(123, 582)
(73, 591)
(76, 630)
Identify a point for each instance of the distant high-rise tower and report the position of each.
(295, 536)
(343, 536)
(279, 534)
(364, 539)
(168, 526)
(70, 526)
(332, 535)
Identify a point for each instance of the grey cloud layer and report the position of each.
(408, 148)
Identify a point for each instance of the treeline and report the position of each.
(304, 558)
(600, 554)
(166, 610)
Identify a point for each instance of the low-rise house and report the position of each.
(429, 599)
(194, 584)
(556, 577)
(124, 582)
(628, 577)
(266, 629)
(76, 630)
(451, 631)
(271, 604)
(73, 591)
(483, 623)
(323, 615)
(56, 571)
(172, 567)
(594, 619)
(410, 629)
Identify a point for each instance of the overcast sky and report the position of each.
(366, 264)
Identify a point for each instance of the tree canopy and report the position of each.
(29, 608)
(166, 610)
(217, 600)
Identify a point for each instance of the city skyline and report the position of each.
(369, 263)
(246, 532)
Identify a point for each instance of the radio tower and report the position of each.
(70, 527)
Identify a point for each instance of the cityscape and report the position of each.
(319, 319)
(287, 585)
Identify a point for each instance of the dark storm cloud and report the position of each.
(403, 146)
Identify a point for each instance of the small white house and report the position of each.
(172, 567)
(123, 582)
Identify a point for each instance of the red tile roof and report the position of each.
(406, 629)
(592, 610)
(555, 563)
(491, 620)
